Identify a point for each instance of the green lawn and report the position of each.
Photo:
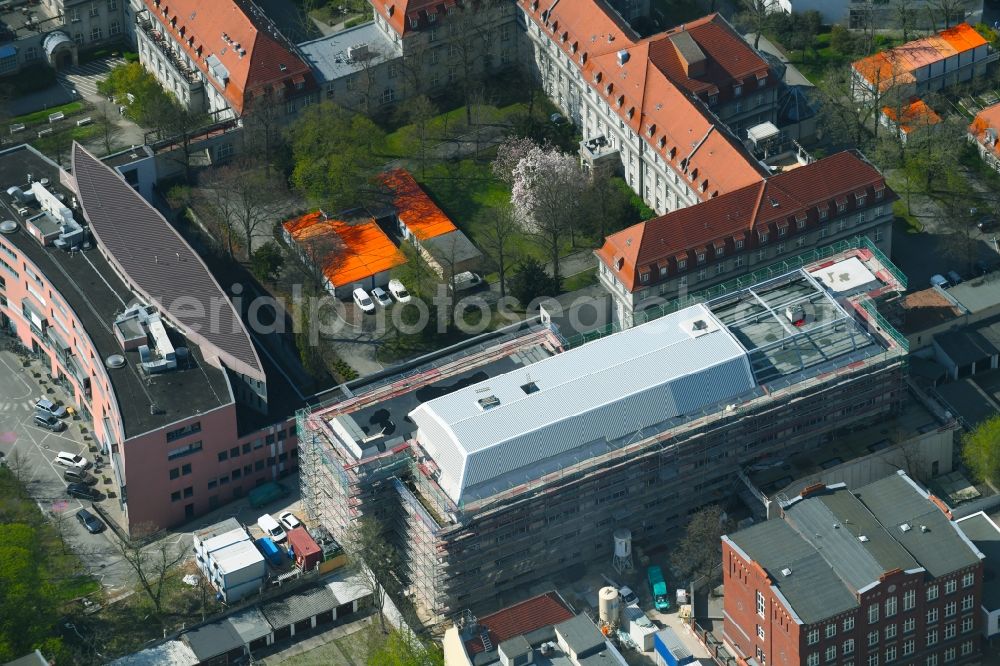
(580, 280)
(43, 115)
(400, 143)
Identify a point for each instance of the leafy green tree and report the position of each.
(699, 552)
(405, 649)
(531, 282)
(333, 154)
(27, 600)
(981, 451)
(842, 40)
(267, 262)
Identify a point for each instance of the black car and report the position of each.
(89, 521)
(987, 223)
(80, 491)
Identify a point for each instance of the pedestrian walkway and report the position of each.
(82, 80)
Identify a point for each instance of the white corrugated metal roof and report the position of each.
(222, 540)
(237, 556)
(601, 391)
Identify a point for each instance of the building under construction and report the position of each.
(515, 457)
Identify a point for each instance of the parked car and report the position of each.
(73, 460)
(987, 223)
(49, 422)
(939, 281)
(90, 522)
(627, 596)
(362, 300)
(954, 278)
(271, 528)
(289, 521)
(380, 297)
(75, 475)
(46, 406)
(398, 291)
(467, 281)
(80, 491)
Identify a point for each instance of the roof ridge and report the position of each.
(756, 207)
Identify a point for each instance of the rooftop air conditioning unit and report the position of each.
(357, 51)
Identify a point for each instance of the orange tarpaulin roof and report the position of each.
(414, 208)
(914, 116)
(358, 250)
(888, 68)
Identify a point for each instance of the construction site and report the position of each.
(513, 458)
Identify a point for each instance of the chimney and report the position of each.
(622, 57)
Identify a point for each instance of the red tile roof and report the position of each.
(406, 16)
(915, 115)
(414, 208)
(201, 29)
(728, 59)
(988, 118)
(780, 200)
(521, 618)
(621, 69)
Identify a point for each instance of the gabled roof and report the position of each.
(781, 197)
(223, 29)
(408, 16)
(897, 65)
(914, 116)
(987, 119)
(160, 265)
(414, 208)
(728, 58)
(524, 617)
(353, 251)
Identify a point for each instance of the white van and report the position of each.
(271, 528)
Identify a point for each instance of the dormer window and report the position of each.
(737, 90)
(621, 100)
(824, 212)
(701, 257)
(573, 47)
(879, 190)
(608, 88)
(738, 243)
(841, 205)
(432, 17)
(644, 277)
(682, 264)
(651, 130)
(800, 221)
(782, 229)
(563, 37)
(720, 250)
(597, 75)
(631, 112)
(762, 235)
(762, 81)
(663, 271)
(673, 152)
(662, 142)
(413, 22)
(860, 198)
(713, 98)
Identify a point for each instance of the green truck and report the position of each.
(658, 588)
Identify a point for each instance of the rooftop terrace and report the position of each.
(97, 296)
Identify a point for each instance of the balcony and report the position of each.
(152, 30)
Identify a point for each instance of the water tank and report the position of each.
(623, 543)
(607, 605)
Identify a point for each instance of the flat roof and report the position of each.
(975, 399)
(845, 276)
(350, 251)
(170, 653)
(978, 294)
(452, 247)
(237, 556)
(161, 265)
(328, 56)
(97, 296)
(983, 532)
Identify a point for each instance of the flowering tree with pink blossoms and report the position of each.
(546, 189)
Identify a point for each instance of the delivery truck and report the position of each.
(658, 588)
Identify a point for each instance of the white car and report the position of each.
(271, 528)
(289, 521)
(398, 291)
(362, 300)
(72, 460)
(380, 297)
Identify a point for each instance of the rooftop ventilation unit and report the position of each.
(8, 227)
(623, 57)
(905, 527)
(115, 361)
(488, 402)
(786, 572)
(863, 539)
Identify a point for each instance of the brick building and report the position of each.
(877, 575)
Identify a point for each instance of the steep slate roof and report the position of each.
(648, 245)
(521, 618)
(414, 208)
(897, 65)
(160, 265)
(265, 53)
(675, 125)
(357, 250)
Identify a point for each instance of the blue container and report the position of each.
(670, 650)
(270, 550)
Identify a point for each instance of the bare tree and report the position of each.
(757, 13)
(946, 11)
(366, 80)
(152, 562)
(473, 32)
(700, 549)
(906, 16)
(110, 131)
(500, 230)
(247, 197)
(376, 560)
(262, 123)
(312, 256)
(20, 469)
(420, 113)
